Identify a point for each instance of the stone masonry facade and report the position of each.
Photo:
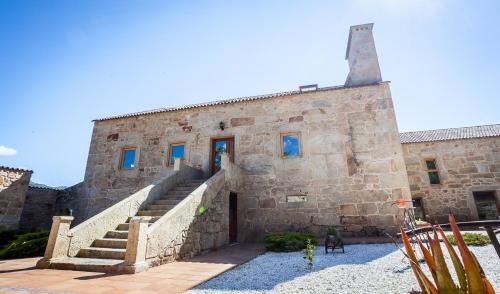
(465, 166)
(13, 186)
(351, 169)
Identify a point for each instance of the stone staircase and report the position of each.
(110, 250)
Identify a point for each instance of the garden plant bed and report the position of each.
(373, 268)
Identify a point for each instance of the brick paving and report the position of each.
(21, 276)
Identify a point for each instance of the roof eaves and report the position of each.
(229, 101)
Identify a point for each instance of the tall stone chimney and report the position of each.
(362, 57)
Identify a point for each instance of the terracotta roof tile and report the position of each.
(15, 169)
(450, 134)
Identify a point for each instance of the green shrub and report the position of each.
(7, 236)
(26, 245)
(471, 239)
(288, 241)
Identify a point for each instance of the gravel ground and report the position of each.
(376, 268)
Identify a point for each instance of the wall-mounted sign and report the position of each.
(296, 198)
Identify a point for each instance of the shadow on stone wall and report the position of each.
(39, 207)
(208, 230)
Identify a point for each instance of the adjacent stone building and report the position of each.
(13, 187)
(455, 170)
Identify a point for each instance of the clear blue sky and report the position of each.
(64, 63)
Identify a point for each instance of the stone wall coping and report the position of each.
(63, 218)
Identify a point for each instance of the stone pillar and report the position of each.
(177, 163)
(135, 257)
(58, 243)
(224, 161)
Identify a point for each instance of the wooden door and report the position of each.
(219, 146)
(233, 217)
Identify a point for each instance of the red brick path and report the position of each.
(19, 275)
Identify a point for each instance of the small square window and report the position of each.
(432, 171)
(176, 151)
(431, 164)
(290, 145)
(128, 158)
(434, 178)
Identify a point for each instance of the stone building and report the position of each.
(13, 187)
(208, 174)
(348, 166)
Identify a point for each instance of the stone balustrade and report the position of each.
(65, 242)
(234, 174)
(197, 223)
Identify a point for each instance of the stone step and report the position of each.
(110, 243)
(125, 226)
(117, 234)
(86, 264)
(190, 185)
(152, 212)
(155, 206)
(178, 197)
(198, 181)
(179, 190)
(167, 201)
(122, 227)
(99, 252)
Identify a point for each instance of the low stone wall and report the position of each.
(13, 186)
(39, 207)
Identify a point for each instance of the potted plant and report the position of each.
(331, 232)
(421, 223)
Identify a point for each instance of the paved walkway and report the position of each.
(20, 276)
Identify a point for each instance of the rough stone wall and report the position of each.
(187, 232)
(39, 207)
(464, 166)
(13, 186)
(351, 168)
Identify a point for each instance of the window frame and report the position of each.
(169, 159)
(282, 153)
(434, 170)
(122, 157)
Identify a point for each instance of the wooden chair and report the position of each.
(334, 242)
